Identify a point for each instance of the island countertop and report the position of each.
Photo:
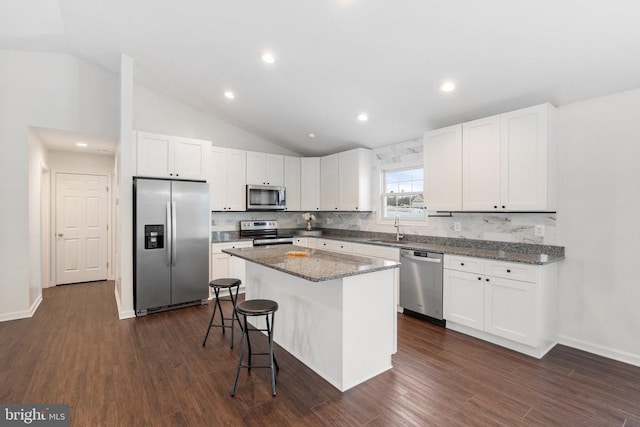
(316, 266)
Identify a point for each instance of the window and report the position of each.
(403, 193)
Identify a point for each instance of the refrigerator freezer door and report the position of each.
(152, 279)
(191, 223)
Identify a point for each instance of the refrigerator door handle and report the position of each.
(174, 240)
(169, 234)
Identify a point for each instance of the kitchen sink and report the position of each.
(387, 241)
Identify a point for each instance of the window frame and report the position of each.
(382, 170)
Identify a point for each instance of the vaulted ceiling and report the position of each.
(335, 59)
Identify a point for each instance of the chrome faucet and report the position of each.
(396, 224)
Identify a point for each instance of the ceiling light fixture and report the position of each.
(81, 144)
(268, 58)
(363, 117)
(311, 135)
(230, 95)
(448, 86)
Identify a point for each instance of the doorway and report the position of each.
(81, 227)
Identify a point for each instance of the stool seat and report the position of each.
(257, 307)
(226, 282)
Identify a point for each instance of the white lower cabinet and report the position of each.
(225, 265)
(510, 304)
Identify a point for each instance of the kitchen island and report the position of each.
(336, 311)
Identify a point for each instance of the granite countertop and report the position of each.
(318, 266)
(525, 253)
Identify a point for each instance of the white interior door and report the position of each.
(81, 228)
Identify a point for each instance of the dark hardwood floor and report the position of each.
(154, 371)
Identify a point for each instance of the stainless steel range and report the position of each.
(265, 232)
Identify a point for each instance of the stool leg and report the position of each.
(213, 315)
(270, 334)
(234, 315)
(246, 333)
(271, 357)
(235, 381)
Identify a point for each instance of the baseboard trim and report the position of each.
(620, 356)
(24, 314)
(122, 314)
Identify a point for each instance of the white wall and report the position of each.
(67, 161)
(50, 90)
(599, 201)
(156, 112)
(37, 161)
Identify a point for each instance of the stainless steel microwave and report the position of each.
(265, 197)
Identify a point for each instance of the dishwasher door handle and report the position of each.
(421, 258)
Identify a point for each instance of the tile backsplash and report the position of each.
(508, 227)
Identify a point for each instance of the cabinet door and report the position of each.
(274, 169)
(463, 298)
(154, 155)
(329, 182)
(256, 168)
(292, 182)
(310, 184)
(443, 168)
(190, 158)
(511, 310)
(219, 265)
(354, 178)
(481, 164)
(236, 180)
(218, 179)
(524, 159)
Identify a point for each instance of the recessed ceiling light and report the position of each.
(311, 135)
(448, 86)
(363, 117)
(81, 144)
(230, 95)
(268, 57)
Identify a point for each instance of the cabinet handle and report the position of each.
(356, 208)
(479, 278)
(486, 280)
(503, 207)
(508, 271)
(462, 263)
(177, 174)
(495, 207)
(170, 174)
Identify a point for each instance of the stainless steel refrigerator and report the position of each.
(171, 223)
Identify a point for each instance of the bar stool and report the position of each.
(217, 285)
(256, 307)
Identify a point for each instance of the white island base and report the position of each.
(343, 329)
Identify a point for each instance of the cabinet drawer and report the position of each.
(464, 263)
(334, 245)
(511, 270)
(376, 251)
(217, 248)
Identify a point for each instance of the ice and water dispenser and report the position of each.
(154, 236)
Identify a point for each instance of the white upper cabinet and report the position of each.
(166, 156)
(292, 182)
(481, 164)
(508, 163)
(528, 159)
(345, 181)
(227, 179)
(265, 169)
(354, 180)
(309, 184)
(329, 182)
(443, 168)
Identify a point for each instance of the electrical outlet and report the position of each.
(539, 230)
(456, 226)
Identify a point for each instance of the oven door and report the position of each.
(265, 197)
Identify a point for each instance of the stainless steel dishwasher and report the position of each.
(421, 283)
